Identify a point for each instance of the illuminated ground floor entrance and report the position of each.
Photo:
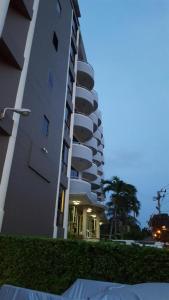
(85, 221)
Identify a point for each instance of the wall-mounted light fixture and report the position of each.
(22, 111)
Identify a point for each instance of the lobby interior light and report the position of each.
(89, 210)
(76, 202)
(94, 216)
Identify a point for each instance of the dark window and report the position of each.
(74, 27)
(65, 152)
(72, 53)
(67, 119)
(61, 206)
(70, 83)
(45, 127)
(55, 41)
(58, 7)
(74, 173)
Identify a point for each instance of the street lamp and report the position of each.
(22, 111)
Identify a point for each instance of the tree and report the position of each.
(121, 204)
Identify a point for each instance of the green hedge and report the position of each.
(53, 265)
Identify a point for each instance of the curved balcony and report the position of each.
(97, 135)
(84, 100)
(96, 184)
(102, 141)
(91, 173)
(100, 148)
(97, 159)
(94, 118)
(95, 95)
(85, 75)
(79, 186)
(83, 127)
(100, 128)
(99, 115)
(92, 144)
(100, 170)
(102, 159)
(81, 157)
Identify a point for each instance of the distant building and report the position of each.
(51, 162)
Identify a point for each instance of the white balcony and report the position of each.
(100, 170)
(97, 159)
(81, 157)
(85, 75)
(102, 141)
(91, 173)
(100, 128)
(95, 99)
(79, 187)
(84, 101)
(97, 135)
(98, 113)
(83, 127)
(100, 148)
(96, 184)
(94, 118)
(92, 144)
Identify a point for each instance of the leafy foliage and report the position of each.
(121, 204)
(53, 265)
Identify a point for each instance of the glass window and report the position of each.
(61, 206)
(55, 41)
(67, 119)
(65, 152)
(74, 173)
(45, 126)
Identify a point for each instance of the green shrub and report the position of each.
(53, 265)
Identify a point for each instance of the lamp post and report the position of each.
(23, 111)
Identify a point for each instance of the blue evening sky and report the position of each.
(127, 42)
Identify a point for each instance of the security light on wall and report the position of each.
(22, 111)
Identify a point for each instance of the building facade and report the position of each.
(51, 162)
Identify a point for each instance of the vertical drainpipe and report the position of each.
(4, 4)
(18, 104)
(66, 213)
(63, 128)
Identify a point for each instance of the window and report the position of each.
(65, 152)
(55, 41)
(45, 127)
(67, 119)
(74, 173)
(70, 83)
(61, 207)
(58, 7)
(72, 53)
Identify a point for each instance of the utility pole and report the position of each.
(158, 198)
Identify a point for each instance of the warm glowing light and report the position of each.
(94, 216)
(75, 202)
(164, 228)
(100, 223)
(155, 235)
(89, 210)
(158, 231)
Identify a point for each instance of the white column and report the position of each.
(98, 228)
(18, 104)
(4, 4)
(84, 229)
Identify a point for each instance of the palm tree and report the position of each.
(122, 202)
